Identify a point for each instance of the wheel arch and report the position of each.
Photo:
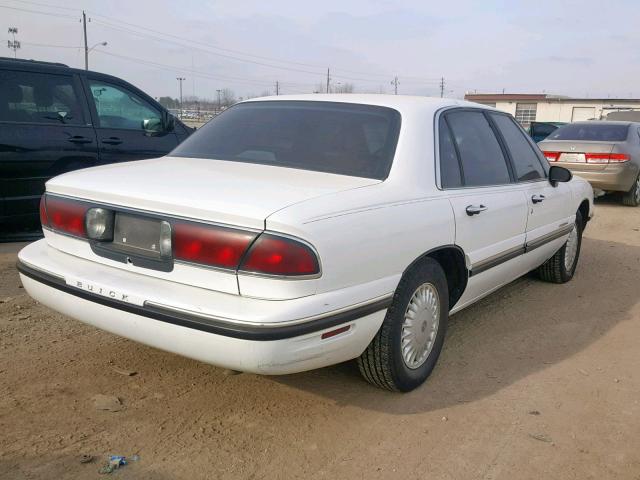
(584, 210)
(452, 260)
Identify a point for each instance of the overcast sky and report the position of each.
(577, 48)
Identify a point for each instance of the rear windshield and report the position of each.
(595, 132)
(341, 138)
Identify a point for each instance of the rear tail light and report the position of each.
(44, 220)
(210, 245)
(274, 255)
(606, 157)
(552, 156)
(64, 215)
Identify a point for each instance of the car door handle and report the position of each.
(112, 141)
(79, 139)
(475, 209)
(537, 198)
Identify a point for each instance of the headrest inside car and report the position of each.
(12, 93)
(43, 96)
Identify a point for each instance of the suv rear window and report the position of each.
(341, 138)
(30, 97)
(591, 132)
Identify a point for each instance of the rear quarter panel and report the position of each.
(372, 241)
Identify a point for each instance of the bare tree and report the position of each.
(343, 88)
(227, 97)
(334, 88)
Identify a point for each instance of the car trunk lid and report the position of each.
(574, 152)
(233, 193)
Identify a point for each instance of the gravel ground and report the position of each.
(536, 381)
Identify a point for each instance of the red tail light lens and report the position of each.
(552, 156)
(606, 157)
(210, 245)
(65, 216)
(275, 255)
(44, 220)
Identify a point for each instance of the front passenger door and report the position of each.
(490, 210)
(128, 127)
(549, 214)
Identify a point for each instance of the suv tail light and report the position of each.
(606, 157)
(274, 255)
(63, 215)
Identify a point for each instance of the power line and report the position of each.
(215, 47)
(119, 27)
(173, 68)
(38, 12)
(48, 5)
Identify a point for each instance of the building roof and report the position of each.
(504, 97)
(538, 97)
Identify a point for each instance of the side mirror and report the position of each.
(559, 174)
(152, 125)
(168, 121)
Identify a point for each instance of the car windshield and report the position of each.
(342, 138)
(591, 132)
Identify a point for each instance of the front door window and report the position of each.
(120, 108)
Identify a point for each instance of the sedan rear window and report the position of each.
(341, 138)
(591, 132)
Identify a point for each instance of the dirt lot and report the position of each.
(536, 381)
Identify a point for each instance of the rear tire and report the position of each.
(406, 348)
(632, 197)
(561, 267)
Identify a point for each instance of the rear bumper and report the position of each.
(259, 345)
(616, 178)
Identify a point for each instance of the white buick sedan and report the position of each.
(291, 233)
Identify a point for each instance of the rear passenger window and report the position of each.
(38, 98)
(480, 154)
(449, 167)
(524, 158)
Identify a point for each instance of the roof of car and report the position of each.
(398, 102)
(40, 66)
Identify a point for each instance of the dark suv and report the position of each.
(54, 119)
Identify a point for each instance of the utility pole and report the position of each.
(180, 80)
(328, 80)
(15, 44)
(394, 82)
(441, 87)
(219, 104)
(277, 88)
(86, 47)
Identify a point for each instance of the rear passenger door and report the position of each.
(489, 207)
(548, 208)
(128, 126)
(44, 130)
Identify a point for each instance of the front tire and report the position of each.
(632, 197)
(561, 267)
(406, 348)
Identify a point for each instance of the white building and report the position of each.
(527, 108)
